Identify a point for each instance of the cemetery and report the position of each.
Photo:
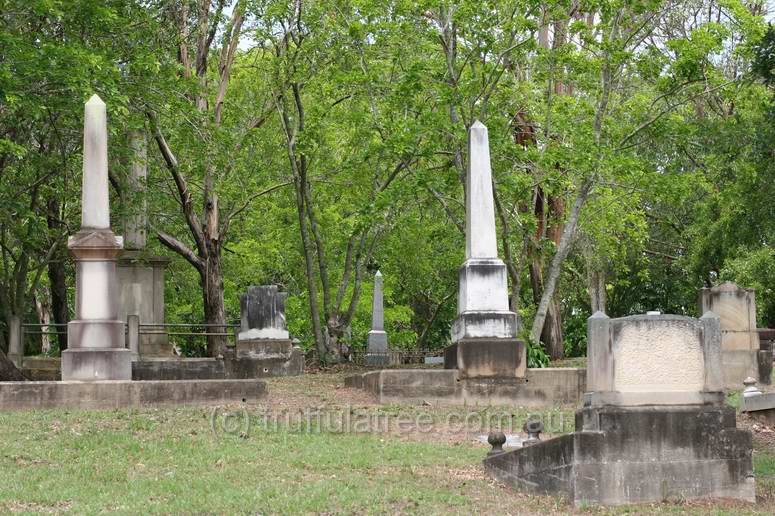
(322, 258)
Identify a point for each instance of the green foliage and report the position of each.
(536, 356)
(755, 268)
(668, 113)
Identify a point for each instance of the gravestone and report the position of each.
(484, 334)
(96, 348)
(377, 344)
(141, 276)
(262, 314)
(654, 425)
(736, 307)
(264, 346)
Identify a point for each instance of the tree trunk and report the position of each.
(57, 279)
(309, 263)
(8, 371)
(568, 234)
(597, 293)
(212, 289)
(44, 318)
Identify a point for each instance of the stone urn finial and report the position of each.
(497, 439)
(533, 428)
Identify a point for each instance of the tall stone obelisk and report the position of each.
(141, 276)
(484, 334)
(377, 344)
(96, 348)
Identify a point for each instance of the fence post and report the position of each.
(133, 335)
(16, 341)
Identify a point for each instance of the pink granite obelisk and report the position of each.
(96, 349)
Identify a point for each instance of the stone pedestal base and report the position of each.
(96, 334)
(485, 325)
(622, 455)
(263, 348)
(377, 349)
(88, 364)
(487, 358)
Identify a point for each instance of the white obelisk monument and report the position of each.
(484, 334)
(96, 349)
(377, 344)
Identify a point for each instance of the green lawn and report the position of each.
(171, 461)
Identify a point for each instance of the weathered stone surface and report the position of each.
(227, 367)
(263, 313)
(540, 387)
(122, 394)
(141, 293)
(15, 341)
(377, 343)
(653, 360)
(764, 363)
(157, 368)
(377, 304)
(42, 369)
(736, 308)
(264, 348)
(377, 352)
(487, 358)
(634, 455)
(96, 348)
(92, 364)
(764, 401)
(95, 211)
(483, 302)
(655, 427)
(270, 366)
(481, 241)
(135, 227)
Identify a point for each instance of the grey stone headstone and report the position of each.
(263, 313)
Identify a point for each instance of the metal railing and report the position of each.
(158, 329)
(134, 330)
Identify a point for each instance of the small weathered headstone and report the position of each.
(263, 313)
(736, 308)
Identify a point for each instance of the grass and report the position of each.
(171, 461)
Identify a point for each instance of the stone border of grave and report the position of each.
(540, 388)
(126, 394)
